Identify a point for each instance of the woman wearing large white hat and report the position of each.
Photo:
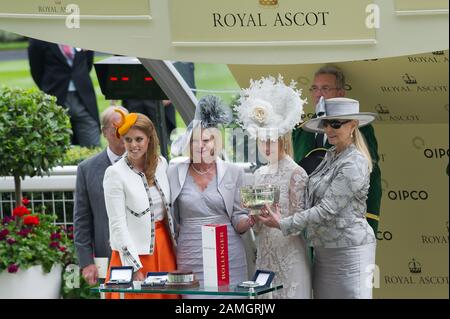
(334, 221)
(269, 110)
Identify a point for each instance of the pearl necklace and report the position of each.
(201, 172)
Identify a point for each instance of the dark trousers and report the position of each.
(86, 131)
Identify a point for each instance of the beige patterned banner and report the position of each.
(412, 251)
(253, 22)
(408, 89)
(30, 8)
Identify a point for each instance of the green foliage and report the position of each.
(34, 132)
(28, 240)
(82, 292)
(23, 244)
(76, 154)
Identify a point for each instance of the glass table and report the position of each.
(227, 291)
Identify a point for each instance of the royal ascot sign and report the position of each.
(421, 7)
(98, 9)
(270, 22)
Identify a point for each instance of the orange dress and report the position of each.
(163, 259)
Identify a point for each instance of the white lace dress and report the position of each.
(285, 255)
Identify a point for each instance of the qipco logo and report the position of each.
(408, 195)
(436, 152)
(383, 235)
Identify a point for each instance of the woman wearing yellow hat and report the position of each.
(137, 198)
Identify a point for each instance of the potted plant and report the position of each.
(33, 252)
(34, 135)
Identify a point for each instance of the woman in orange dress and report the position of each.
(137, 198)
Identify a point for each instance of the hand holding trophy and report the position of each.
(256, 197)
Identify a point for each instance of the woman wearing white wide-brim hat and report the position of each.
(334, 221)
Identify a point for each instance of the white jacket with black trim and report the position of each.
(131, 223)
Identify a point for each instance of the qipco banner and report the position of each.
(412, 250)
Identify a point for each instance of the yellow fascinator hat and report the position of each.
(126, 122)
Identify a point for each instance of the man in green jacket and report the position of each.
(329, 82)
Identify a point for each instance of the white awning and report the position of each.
(235, 31)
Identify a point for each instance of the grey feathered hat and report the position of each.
(209, 112)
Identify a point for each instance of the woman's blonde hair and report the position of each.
(361, 145)
(286, 141)
(144, 124)
(216, 135)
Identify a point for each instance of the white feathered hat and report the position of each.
(269, 109)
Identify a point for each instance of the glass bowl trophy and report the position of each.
(255, 197)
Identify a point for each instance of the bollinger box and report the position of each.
(215, 255)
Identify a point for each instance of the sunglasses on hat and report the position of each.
(336, 124)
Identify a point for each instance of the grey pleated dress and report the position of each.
(198, 208)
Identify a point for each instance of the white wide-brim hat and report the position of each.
(340, 109)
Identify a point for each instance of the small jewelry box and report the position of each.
(120, 277)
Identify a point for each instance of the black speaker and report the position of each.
(126, 78)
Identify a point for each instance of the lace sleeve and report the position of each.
(297, 191)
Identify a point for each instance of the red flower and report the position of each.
(11, 241)
(54, 244)
(13, 268)
(25, 201)
(3, 234)
(55, 236)
(31, 220)
(8, 219)
(24, 232)
(20, 211)
(63, 249)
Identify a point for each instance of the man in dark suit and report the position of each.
(91, 229)
(63, 71)
(329, 82)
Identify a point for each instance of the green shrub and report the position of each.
(34, 134)
(76, 154)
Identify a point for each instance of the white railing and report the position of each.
(55, 192)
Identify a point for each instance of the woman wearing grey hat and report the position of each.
(334, 221)
(205, 190)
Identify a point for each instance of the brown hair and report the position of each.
(144, 124)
